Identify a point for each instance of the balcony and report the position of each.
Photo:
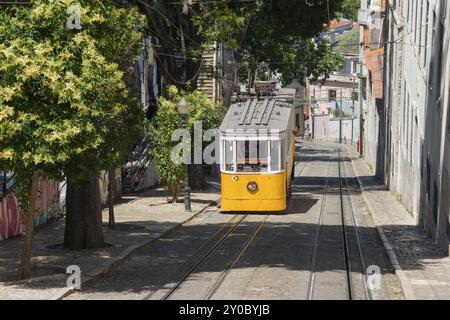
(363, 17)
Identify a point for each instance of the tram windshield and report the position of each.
(252, 156)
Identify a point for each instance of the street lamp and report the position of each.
(183, 110)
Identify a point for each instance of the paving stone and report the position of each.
(144, 217)
(419, 257)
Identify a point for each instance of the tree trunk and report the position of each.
(111, 196)
(84, 227)
(24, 269)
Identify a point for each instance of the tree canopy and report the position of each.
(167, 120)
(64, 98)
(66, 108)
(350, 9)
(257, 31)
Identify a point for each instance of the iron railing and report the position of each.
(137, 164)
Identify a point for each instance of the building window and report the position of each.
(448, 114)
(428, 178)
(406, 120)
(405, 99)
(420, 28)
(435, 202)
(364, 88)
(409, 12)
(332, 95)
(440, 56)
(430, 78)
(409, 128)
(427, 22)
(416, 24)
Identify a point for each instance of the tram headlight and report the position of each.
(252, 186)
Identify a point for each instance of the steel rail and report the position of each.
(345, 247)
(236, 258)
(312, 274)
(197, 251)
(368, 293)
(204, 258)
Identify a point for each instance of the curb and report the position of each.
(101, 271)
(404, 280)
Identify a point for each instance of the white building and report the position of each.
(371, 58)
(416, 162)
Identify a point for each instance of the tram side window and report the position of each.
(228, 155)
(275, 156)
(252, 156)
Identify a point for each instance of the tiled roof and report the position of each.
(339, 23)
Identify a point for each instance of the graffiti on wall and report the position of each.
(48, 201)
(9, 217)
(48, 206)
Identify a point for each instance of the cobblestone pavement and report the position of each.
(421, 264)
(140, 219)
(276, 264)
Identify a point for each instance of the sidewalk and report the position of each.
(140, 219)
(421, 265)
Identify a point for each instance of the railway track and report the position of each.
(354, 225)
(231, 225)
(349, 236)
(312, 274)
(209, 248)
(349, 233)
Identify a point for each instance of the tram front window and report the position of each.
(228, 151)
(252, 156)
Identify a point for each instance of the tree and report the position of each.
(285, 35)
(312, 59)
(182, 33)
(350, 9)
(167, 120)
(65, 108)
(251, 29)
(251, 32)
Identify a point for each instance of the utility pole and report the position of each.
(312, 113)
(361, 119)
(340, 120)
(353, 106)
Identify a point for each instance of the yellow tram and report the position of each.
(257, 150)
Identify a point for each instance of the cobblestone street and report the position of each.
(228, 158)
(294, 255)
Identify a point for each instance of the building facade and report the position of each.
(371, 69)
(414, 157)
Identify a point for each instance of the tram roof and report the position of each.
(255, 114)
